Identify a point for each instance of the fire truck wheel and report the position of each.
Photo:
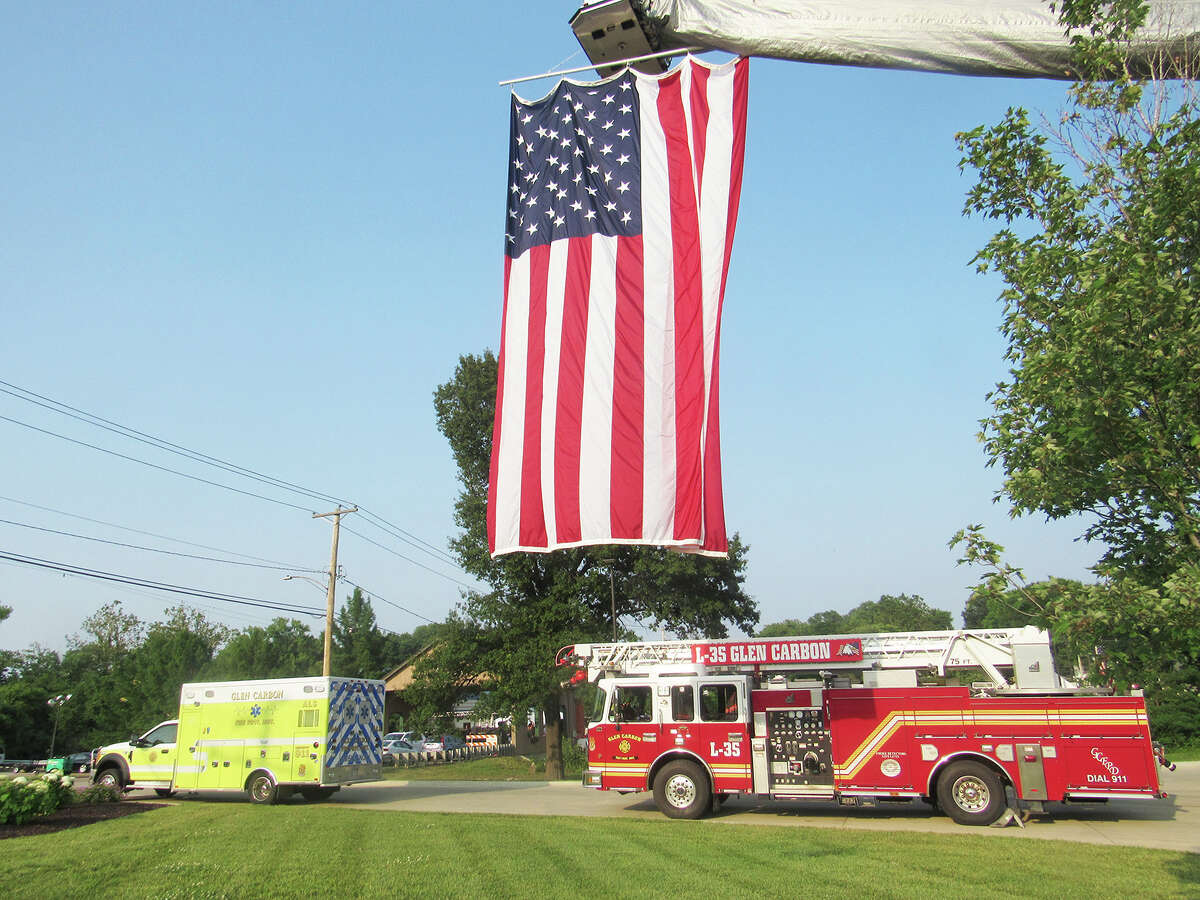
(681, 790)
(262, 789)
(971, 794)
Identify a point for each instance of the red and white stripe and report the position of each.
(607, 427)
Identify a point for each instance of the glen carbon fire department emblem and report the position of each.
(623, 746)
(591, 743)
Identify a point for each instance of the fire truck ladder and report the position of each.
(1024, 651)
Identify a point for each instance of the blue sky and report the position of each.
(266, 232)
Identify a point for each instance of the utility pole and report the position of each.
(337, 521)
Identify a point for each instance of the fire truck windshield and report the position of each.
(598, 706)
(630, 704)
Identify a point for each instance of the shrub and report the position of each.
(574, 759)
(99, 793)
(21, 798)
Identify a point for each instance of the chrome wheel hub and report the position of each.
(971, 794)
(681, 792)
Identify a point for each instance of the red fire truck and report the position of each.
(857, 719)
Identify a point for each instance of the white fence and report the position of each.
(440, 757)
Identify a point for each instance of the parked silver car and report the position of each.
(414, 738)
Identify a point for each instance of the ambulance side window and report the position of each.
(163, 734)
(630, 704)
(718, 703)
(683, 703)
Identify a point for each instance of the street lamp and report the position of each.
(57, 703)
(320, 585)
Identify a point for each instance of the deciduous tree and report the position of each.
(1100, 411)
(1123, 631)
(286, 648)
(360, 648)
(1099, 414)
(534, 604)
(902, 612)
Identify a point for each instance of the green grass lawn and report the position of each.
(1184, 753)
(233, 849)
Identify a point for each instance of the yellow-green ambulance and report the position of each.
(269, 738)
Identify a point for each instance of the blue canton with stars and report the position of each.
(575, 165)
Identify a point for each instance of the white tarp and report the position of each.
(1020, 38)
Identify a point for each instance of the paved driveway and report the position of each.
(1171, 824)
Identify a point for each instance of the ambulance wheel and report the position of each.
(681, 790)
(262, 789)
(111, 778)
(971, 794)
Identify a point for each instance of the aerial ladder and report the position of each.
(1013, 660)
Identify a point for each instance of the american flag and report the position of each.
(622, 201)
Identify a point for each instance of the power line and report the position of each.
(153, 465)
(160, 443)
(375, 596)
(243, 616)
(366, 593)
(247, 617)
(84, 537)
(409, 560)
(159, 585)
(384, 525)
(164, 537)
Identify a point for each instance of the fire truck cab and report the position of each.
(846, 718)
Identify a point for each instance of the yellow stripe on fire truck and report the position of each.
(720, 770)
(892, 722)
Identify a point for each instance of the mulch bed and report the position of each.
(76, 816)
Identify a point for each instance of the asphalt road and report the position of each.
(1170, 824)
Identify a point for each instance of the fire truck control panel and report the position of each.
(799, 752)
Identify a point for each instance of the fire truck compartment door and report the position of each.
(1108, 764)
(1031, 771)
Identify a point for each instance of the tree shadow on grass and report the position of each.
(1187, 870)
